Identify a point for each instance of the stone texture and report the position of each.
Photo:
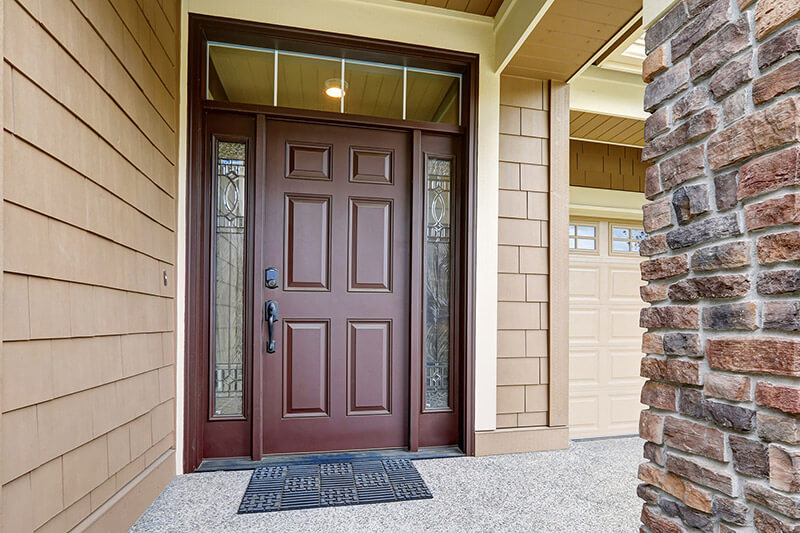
(783, 398)
(785, 505)
(691, 403)
(675, 343)
(778, 428)
(682, 489)
(731, 316)
(702, 472)
(722, 256)
(665, 26)
(674, 370)
(653, 292)
(766, 523)
(690, 201)
(769, 173)
(782, 315)
(647, 492)
(749, 456)
(688, 516)
(693, 101)
(784, 469)
(659, 395)
(652, 182)
(727, 387)
(755, 354)
(730, 416)
(653, 343)
(734, 107)
(720, 47)
(772, 14)
(732, 76)
(653, 245)
(655, 62)
(695, 438)
(668, 84)
(703, 231)
(725, 286)
(651, 427)
(683, 166)
(653, 452)
(779, 47)
(674, 317)
(773, 212)
(694, 128)
(729, 510)
(663, 268)
(699, 28)
(778, 282)
(657, 523)
(725, 187)
(656, 124)
(756, 133)
(779, 247)
(781, 80)
(657, 215)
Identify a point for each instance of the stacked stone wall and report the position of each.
(722, 265)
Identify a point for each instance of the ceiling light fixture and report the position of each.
(334, 88)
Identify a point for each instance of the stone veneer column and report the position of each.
(722, 352)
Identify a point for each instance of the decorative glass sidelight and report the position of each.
(229, 232)
(437, 282)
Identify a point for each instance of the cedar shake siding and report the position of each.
(90, 92)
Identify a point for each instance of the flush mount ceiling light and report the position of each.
(334, 88)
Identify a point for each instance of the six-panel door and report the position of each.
(337, 211)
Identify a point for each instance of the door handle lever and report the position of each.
(271, 316)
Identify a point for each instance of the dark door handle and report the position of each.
(271, 316)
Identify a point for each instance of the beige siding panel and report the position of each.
(90, 116)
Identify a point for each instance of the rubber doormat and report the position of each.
(280, 488)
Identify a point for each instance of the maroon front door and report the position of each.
(336, 236)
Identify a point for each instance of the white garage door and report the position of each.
(605, 338)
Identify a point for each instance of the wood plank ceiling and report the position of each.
(569, 35)
(476, 7)
(607, 129)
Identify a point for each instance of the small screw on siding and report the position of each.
(165, 277)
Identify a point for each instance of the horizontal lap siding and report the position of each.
(89, 216)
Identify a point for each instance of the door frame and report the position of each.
(204, 28)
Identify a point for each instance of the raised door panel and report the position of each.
(308, 161)
(307, 242)
(371, 165)
(306, 364)
(369, 367)
(370, 245)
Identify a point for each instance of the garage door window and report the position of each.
(626, 239)
(583, 237)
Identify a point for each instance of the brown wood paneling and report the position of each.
(369, 245)
(308, 161)
(606, 129)
(606, 166)
(569, 34)
(306, 364)
(369, 367)
(90, 101)
(371, 165)
(307, 242)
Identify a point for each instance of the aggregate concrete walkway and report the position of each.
(590, 487)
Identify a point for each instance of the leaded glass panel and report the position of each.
(437, 282)
(229, 279)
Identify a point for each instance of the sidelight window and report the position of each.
(439, 172)
(262, 76)
(228, 315)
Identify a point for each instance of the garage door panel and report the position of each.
(605, 342)
(583, 367)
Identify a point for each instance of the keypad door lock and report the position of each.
(271, 278)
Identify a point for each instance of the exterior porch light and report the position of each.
(335, 88)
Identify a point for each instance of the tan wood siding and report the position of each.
(90, 136)
(476, 7)
(606, 129)
(606, 166)
(523, 281)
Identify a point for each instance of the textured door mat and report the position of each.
(280, 488)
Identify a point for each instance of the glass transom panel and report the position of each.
(265, 76)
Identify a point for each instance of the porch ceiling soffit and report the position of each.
(584, 126)
(488, 8)
(608, 92)
(569, 36)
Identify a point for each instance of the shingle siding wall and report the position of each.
(522, 348)
(606, 166)
(90, 122)
(722, 351)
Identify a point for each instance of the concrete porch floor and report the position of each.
(590, 487)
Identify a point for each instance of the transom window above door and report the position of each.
(264, 76)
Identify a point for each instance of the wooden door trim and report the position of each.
(202, 28)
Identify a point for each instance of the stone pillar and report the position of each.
(722, 350)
